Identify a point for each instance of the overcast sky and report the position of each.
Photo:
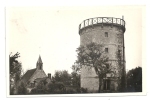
(52, 32)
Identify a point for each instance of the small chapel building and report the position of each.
(33, 76)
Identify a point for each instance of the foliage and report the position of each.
(62, 76)
(41, 85)
(70, 91)
(120, 58)
(50, 88)
(57, 87)
(134, 80)
(15, 68)
(92, 55)
(76, 90)
(75, 79)
(13, 63)
(21, 89)
(37, 91)
(12, 91)
(83, 90)
(40, 88)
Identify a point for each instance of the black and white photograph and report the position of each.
(75, 50)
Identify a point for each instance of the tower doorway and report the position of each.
(106, 84)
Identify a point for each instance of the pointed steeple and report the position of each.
(39, 64)
(39, 60)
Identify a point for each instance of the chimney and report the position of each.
(49, 75)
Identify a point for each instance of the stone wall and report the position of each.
(37, 74)
(113, 42)
(89, 79)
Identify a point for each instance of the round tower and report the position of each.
(109, 32)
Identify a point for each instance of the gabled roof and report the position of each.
(28, 74)
(39, 60)
(40, 79)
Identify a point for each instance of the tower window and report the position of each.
(106, 34)
(106, 50)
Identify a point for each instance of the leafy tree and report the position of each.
(21, 89)
(62, 76)
(15, 68)
(93, 56)
(40, 88)
(57, 87)
(75, 79)
(134, 80)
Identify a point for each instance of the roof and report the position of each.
(28, 74)
(40, 79)
(39, 60)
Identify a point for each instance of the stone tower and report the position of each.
(109, 32)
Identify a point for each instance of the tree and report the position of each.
(15, 69)
(21, 89)
(121, 69)
(40, 88)
(75, 79)
(134, 80)
(93, 56)
(62, 76)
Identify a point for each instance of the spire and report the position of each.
(39, 60)
(39, 64)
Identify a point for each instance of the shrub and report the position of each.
(83, 90)
(70, 91)
(56, 88)
(12, 91)
(21, 89)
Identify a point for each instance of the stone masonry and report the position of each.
(109, 33)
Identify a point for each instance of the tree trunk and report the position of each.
(100, 83)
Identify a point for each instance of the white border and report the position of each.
(69, 3)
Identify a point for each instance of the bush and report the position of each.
(21, 89)
(73, 90)
(38, 91)
(83, 90)
(70, 91)
(56, 88)
(12, 91)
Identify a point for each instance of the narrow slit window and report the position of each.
(106, 50)
(106, 34)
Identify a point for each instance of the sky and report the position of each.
(52, 33)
